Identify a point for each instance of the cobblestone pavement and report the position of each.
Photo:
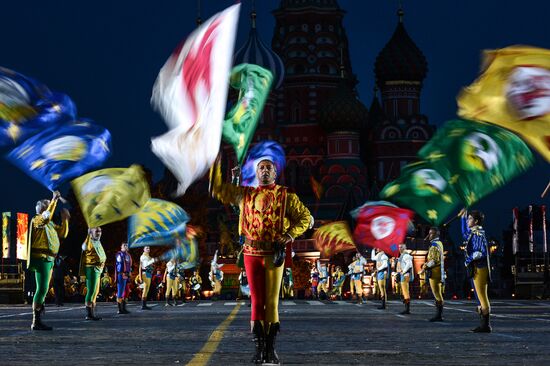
(313, 333)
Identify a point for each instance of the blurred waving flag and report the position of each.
(27, 107)
(513, 92)
(185, 251)
(382, 227)
(158, 223)
(110, 195)
(316, 187)
(426, 188)
(63, 152)
(479, 157)
(191, 94)
(270, 150)
(333, 238)
(253, 83)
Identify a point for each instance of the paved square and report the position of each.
(313, 333)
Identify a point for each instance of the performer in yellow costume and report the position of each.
(145, 274)
(270, 219)
(433, 271)
(92, 262)
(406, 275)
(382, 264)
(478, 264)
(170, 275)
(195, 283)
(356, 272)
(338, 277)
(43, 247)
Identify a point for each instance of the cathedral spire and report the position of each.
(199, 19)
(253, 14)
(400, 12)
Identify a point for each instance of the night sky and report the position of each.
(107, 54)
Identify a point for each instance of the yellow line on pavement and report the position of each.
(206, 352)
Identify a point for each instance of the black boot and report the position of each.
(259, 339)
(119, 308)
(271, 356)
(438, 312)
(407, 307)
(383, 306)
(90, 313)
(144, 305)
(124, 311)
(36, 322)
(94, 306)
(484, 326)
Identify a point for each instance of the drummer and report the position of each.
(195, 284)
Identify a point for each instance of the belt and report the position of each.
(259, 244)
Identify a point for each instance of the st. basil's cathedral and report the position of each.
(313, 111)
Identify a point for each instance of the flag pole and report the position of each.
(545, 190)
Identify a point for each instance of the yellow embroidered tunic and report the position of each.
(266, 213)
(45, 234)
(93, 255)
(435, 253)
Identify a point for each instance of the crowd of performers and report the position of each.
(270, 218)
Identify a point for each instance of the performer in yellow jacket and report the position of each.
(92, 262)
(270, 219)
(433, 270)
(43, 247)
(145, 274)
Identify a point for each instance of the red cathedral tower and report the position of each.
(397, 129)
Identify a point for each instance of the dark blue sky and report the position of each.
(106, 56)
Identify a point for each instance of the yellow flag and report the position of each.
(513, 92)
(110, 195)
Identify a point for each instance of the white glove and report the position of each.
(476, 255)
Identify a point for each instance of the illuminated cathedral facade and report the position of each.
(314, 113)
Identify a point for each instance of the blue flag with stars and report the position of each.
(28, 107)
(63, 152)
(159, 223)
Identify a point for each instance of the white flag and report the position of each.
(190, 93)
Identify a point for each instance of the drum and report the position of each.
(196, 287)
(245, 290)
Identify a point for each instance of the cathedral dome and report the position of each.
(400, 59)
(343, 111)
(306, 3)
(254, 51)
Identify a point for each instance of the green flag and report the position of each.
(424, 187)
(253, 83)
(479, 157)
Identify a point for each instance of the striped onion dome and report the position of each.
(254, 51)
(400, 59)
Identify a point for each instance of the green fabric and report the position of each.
(462, 163)
(479, 157)
(93, 274)
(253, 83)
(240, 258)
(53, 239)
(99, 250)
(43, 273)
(424, 188)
